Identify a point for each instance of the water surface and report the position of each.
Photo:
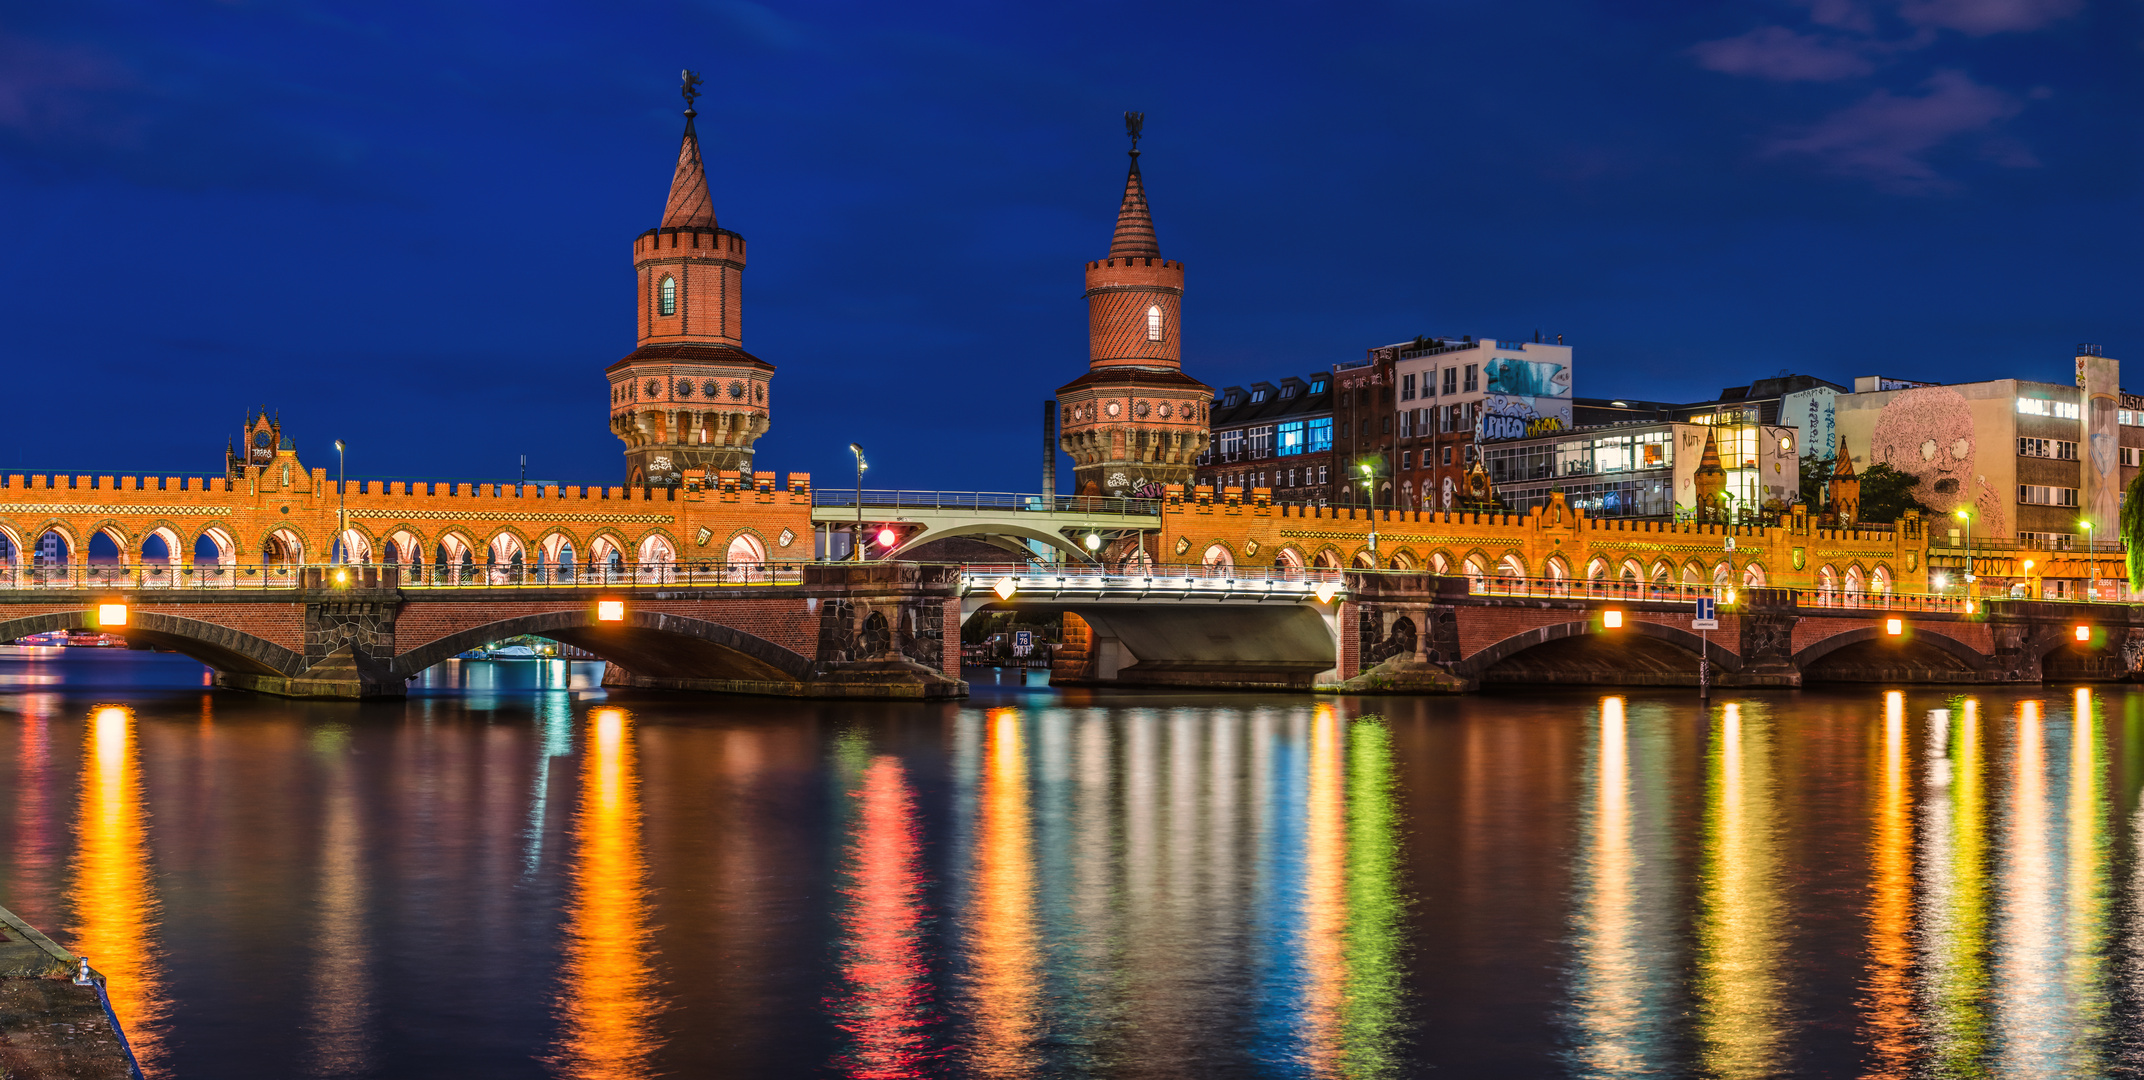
(515, 874)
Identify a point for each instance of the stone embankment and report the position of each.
(51, 1027)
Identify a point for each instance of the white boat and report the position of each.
(514, 652)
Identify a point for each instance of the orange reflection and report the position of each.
(1004, 954)
(35, 852)
(115, 898)
(1740, 979)
(884, 1009)
(1324, 897)
(1890, 989)
(1612, 1002)
(608, 1001)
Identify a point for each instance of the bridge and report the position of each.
(1006, 520)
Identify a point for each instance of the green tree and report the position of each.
(2133, 530)
(1886, 494)
(1816, 471)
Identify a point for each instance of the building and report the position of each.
(1454, 395)
(2031, 463)
(1362, 431)
(1278, 437)
(1135, 422)
(689, 397)
(1645, 470)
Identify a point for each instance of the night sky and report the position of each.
(409, 225)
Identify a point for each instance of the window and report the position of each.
(1473, 377)
(2066, 410)
(1407, 388)
(1257, 396)
(1447, 455)
(1320, 437)
(2047, 541)
(1343, 431)
(666, 296)
(1153, 323)
(1262, 441)
(1317, 387)
(1288, 391)
(1451, 380)
(1386, 427)
(2133, 456)
(2129, 417)
(1321, 476)
(1406, 423)
(1231, 443)
(2043, 495)
(1291, 438)
(1406, 459)
(2047, 448)
(1429, 383)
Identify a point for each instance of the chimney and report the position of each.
(1049, 450)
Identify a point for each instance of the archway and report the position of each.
(1328, 559)
(159, 557)
(1289, 562)
(281, 555)
(215, 557)
(746, 558)
(350, 547)
(1753, 576)
(658, 560)
(1218, 560)
(504, 560)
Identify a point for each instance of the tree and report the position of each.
(1886, 494)
(2133, 530)
(1816, 472)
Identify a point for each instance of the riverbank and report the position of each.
(51, 1028)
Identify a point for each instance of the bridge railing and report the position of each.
(1676, 592)
(987, 500)
(92, 578)
(1158, 571)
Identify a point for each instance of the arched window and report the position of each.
(1153, 323)
(666, 296)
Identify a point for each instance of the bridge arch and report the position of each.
(219, 647)
(648, 643)
(1491, 655)
(999, 533)
(1969, 659)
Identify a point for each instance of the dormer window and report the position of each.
(1153, 323)
(1257, 396)
(666, 296)
(1288, 391)
(1318, 387)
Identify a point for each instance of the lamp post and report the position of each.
(1369, 485)
(860, 467)
(1961, 515)
(2091, 559)
(342, 516)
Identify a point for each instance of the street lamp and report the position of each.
(860, 467)
(1969, 578)
(2092, 590)
(342, 516)
(1369, 484)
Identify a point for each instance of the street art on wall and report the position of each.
(1505, 417)
(1514, 377)
(1927, 433)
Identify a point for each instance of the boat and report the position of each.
(514, 652)
(473, 654)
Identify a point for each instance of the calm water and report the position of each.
(513, 874)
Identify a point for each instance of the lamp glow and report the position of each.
(886, 536)
(610, 611)
(111, 615)
(1612, 620)
(1894, 627)
(1004, 588)
(2084, 633)
(1094, 542)
(1327, 590)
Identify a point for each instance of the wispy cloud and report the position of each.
(1887, 138)
(1775, 52)
(1982, 17)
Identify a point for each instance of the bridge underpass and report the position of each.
(1010, 522)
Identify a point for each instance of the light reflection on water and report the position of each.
(536, 880)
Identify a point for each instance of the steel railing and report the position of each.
(988, 500)
(402, 576)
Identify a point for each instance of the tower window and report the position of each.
(1153, 323)
(666, 300)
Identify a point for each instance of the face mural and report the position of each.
(1927, 433)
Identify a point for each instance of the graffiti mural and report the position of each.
(1927, 433)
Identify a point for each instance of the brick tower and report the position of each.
(689, 397)
(1134, 421)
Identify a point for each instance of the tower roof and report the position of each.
(1843, 462)
(1135, 225)
(689, 206)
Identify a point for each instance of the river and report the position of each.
(514, 874)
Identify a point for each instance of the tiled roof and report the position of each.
(689, 206)
(1135, 225)
(1126, 375)
(692, 354)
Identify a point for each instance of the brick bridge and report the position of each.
(864, 630)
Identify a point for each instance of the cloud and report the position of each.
(1982, 17)
(1885, 138)
(1775, 52)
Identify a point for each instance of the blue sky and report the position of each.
(409, 226)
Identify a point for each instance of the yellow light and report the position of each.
(111, 615)
(1894, 627)
(1005, 588)
(1961, 515)
(2028, 566)
(341, 576)
(1730, 594)
(1612, 620)
(610, 611)
(2084, 633)
(1327, 590)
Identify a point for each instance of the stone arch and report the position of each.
(1328, 558)
(1632, 572)
(746, 555)
(1972, 658)
(1289, 560)
(1853, 582)
(219, 647)
(1754, 575)
(1511, 566)
(1827, 584)
(1880, 580)
(353, 545)
(1693, 644)
(1663, 572)
(1693, 572)
(122, 550)
(656, 557)
(1722, 574)
(1556, 568)
(1476, 570)
(283, 547)
(1403, 560)
(649, 643)
(1218, 559)
(1362, 560)
(1597, 568)
(1440, 561)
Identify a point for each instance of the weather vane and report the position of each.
(1133, 121)
(692, 89)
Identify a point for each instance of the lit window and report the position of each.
(667, 296)
(1153, 323)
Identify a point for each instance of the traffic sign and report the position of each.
(1704, 618)
(1022, 639)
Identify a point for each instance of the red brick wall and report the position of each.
(785, 622)
(1815, 628)
(282, 624)
(1480, 628)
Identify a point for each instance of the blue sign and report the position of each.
(1704, 607)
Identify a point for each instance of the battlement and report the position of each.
(1128, 263)
(689, 241)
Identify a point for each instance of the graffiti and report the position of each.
(1527, 378)
(1505, 418)
(1146, 489)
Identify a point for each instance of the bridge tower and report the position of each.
(1134, 421)
(689, 397)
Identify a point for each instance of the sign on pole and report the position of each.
(1705, 619)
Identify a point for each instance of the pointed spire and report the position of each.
(1135, 225)
(1842, 463)
(689, 206)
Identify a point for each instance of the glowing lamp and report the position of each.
(1612, 620)
(610, 611)
(1004, 588)
(1094, 542)
(2084, 633)
(1327, 590)
(341, 576)
(111, 615)
(1894, 627)
(886, 536)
